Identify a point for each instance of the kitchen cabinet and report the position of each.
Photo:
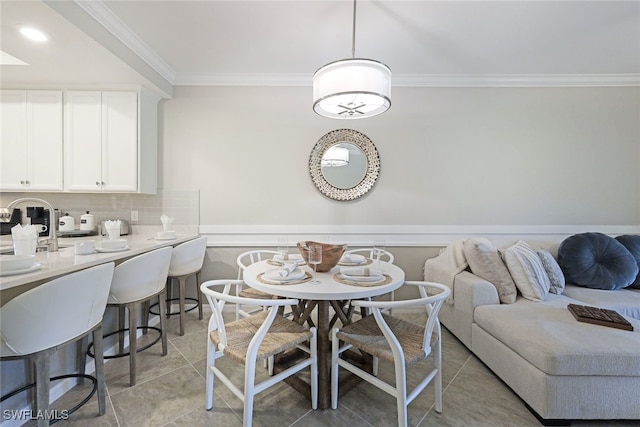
(101, 141)
(31, 140)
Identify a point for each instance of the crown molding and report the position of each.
(103, 15)
(422, 80)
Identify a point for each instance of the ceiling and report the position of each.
(165, 43)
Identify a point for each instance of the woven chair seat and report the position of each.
(283, 335)
(367, 336)
(254, 293)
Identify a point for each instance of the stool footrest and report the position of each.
(59, 377)
(177, 312)
(118, 355)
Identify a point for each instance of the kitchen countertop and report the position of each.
(65, 261)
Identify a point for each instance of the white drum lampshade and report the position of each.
(335, 156)
(352, 89)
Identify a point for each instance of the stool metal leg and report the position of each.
(199, 295)
(81, 357)
(181, 290)
(133, 341)
(163, 323)
(169, 295)
(121, 316)
(42, 361)
(98, 347)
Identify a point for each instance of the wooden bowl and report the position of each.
(331, 254)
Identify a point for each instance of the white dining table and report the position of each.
(330, 292)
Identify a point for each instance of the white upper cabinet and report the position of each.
(31, 153)
(101, 141)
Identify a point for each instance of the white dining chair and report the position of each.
(399, 342)
(244, 260)
(252, 339)
(373, 253)
(35, 323)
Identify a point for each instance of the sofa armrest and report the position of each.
(471, 291)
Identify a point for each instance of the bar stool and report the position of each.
(34, 324)
(186, 261)
(136, 281)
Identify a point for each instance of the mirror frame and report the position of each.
(370, 152)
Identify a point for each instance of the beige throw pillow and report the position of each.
(527, 271)
(485, 262)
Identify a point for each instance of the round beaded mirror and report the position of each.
(344, 164)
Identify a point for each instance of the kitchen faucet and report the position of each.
(53, 237)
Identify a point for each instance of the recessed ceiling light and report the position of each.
(33, 34)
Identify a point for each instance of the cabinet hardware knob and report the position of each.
(97, 183)
(27, 182)
(102, 182)
(21, 182)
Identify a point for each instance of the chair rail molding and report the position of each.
(394, 235)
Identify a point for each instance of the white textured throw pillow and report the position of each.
(551, 266)
(527, 271)
(485, 262)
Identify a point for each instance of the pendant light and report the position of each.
(335, 156)
(353, 88)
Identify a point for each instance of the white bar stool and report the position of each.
(37, 322)
(186, 261)
(137, 281)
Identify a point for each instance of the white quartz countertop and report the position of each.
(65, 261)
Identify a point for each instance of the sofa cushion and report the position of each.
(596, 260)
(556, 276)
(548, 336)
(486, 263)
(624, 301)
(632, 243)
(527, 271)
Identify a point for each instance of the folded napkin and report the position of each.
(113, 228)
(360, 271)
(286, 270)
(167, 222)
(24, 232)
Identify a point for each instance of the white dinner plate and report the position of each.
(363, 278)
(352, 259)
(296, 274)
(105, 250)
(34, 267)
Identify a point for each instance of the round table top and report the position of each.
(328, 289)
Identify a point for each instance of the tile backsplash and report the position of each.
(183, 205)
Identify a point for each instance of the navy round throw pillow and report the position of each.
(632, 243)
(598, 261)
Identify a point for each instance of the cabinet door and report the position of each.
(13, 139)
(44, 140)
(120, 141)
(82, 136)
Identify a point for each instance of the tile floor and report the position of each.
(170, 392)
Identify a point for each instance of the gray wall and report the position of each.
(513, 157)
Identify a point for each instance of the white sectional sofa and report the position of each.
(561, 368)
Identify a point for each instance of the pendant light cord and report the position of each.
(353, 36)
